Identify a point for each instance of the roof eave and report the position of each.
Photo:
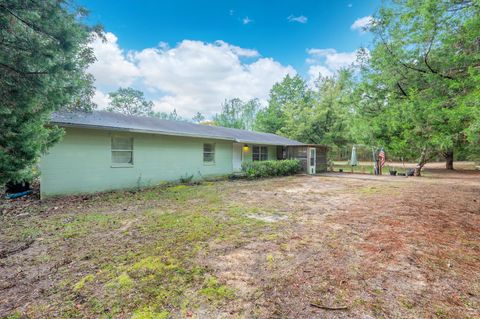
(122, 129)
(266, 143)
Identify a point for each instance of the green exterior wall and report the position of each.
(81, 162)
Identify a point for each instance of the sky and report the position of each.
(191, 55)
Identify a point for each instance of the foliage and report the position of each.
(291, 91)
(186, 179)
(172, 116)
(317, 115)
(130, 102)
(44, 54)
(198, 117)
(237, 114)
(419, 90)
(324, 117)
(257, 169)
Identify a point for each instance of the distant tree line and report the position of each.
(416, 92)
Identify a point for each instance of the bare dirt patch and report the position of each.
(380, 247)
(332, 246)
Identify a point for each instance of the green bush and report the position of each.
(259, 169)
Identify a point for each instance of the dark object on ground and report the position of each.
(12, 187)
(411, 172)
(22, 247)
(401, 174)
(237, 175)
(328, 308)
(340, 170)
(17, 195)
(393, 173)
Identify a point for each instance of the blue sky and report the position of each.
(268, 39)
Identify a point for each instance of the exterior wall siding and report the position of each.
(81, 162)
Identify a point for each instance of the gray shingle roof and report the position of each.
(121, 122)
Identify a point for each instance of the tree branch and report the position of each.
(28, 24)
(426, 57)
(429, 49)
(402, 90)
(12, 69)
(408, 66)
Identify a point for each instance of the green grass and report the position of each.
(79, 285)
(143, 260)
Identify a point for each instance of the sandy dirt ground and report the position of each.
(327, 246)
(381, 247)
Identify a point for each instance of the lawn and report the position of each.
(330, 246)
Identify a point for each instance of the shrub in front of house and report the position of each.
(259, 169)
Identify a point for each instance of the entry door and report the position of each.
(237, 157)
(312, 160)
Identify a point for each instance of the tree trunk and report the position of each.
(421, 163)
(448, 159)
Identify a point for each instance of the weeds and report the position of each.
(180, 250)
(79, 285)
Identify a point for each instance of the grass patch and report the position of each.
(146, 268)
(150, 313)
(216, 292)
(80, 284)
(83, 224)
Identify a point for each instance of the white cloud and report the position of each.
(247, 20)
(191, 76)
(112, 67)
(238, 50)
(315, 70)
(321, 52)
(299, 19)
(362, 24)
(163, 45)
(327, 62)
(101, 99)
(197, 76)
(331, 58)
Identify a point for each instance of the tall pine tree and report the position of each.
(44, 53)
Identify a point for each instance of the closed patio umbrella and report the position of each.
(353, 159)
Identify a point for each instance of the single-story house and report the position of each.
(104, 151)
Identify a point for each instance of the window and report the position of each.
(209, 153)
(260, 153)
(122, 151)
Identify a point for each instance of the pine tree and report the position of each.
(44, 53)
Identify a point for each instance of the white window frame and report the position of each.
(121, 150)
(211, 152)
(260, 153)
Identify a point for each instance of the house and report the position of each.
(104, 151)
